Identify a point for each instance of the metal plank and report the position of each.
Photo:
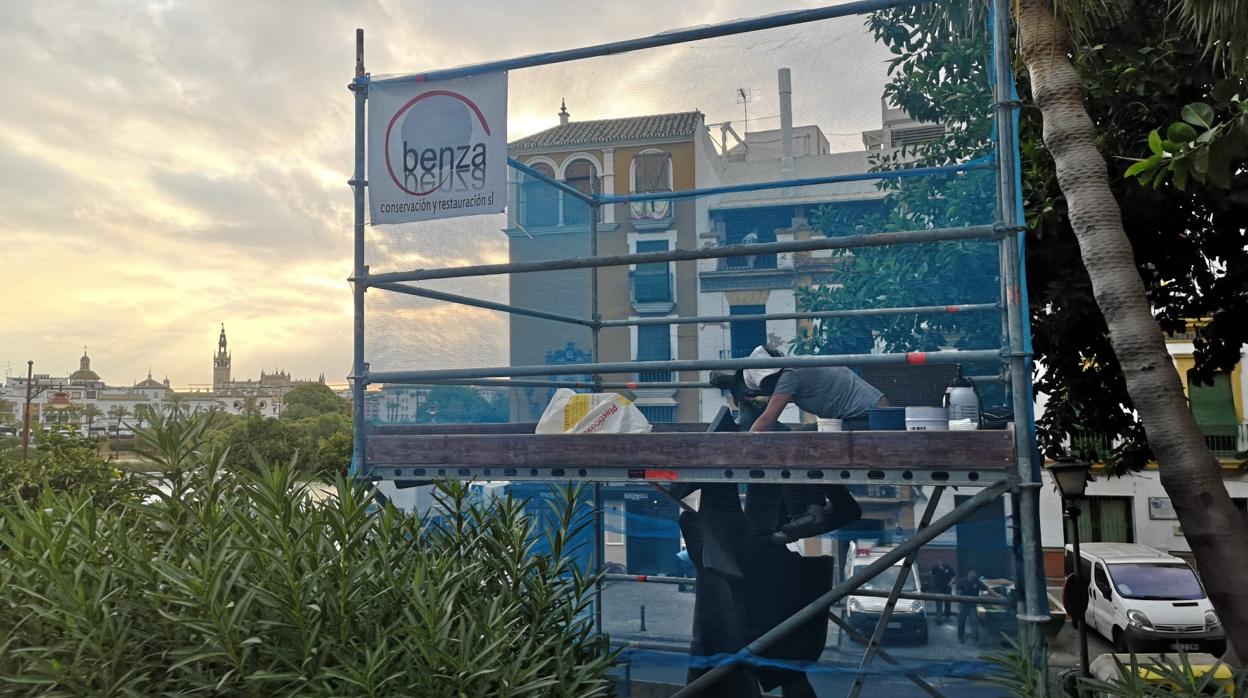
(886, 451)
(776, 474)
(514, 428)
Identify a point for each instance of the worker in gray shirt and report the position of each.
(830, 392)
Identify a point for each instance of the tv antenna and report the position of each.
(745, 95)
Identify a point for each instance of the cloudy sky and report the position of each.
(169, 166)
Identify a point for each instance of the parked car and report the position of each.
(1142, 599)
(909, 617)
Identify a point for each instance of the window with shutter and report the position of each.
(582, 176)
(539, 201)
(654, 343)
(652, 282)
(748, 334)
(652, 172)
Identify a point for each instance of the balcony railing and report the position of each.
(1228, 441)
(654, 377)
(762, 261)
(651, 287)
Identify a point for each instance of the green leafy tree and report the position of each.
(453, 404)
(333, 453)
(61, 459)
(1051, 36)
(311, 400)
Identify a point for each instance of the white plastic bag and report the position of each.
(570, 412)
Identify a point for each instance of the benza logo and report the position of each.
(438, 144)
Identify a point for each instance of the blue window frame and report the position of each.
(654, 343)
(750, 333)
(658, 413)
(652, 283)
(539, 201)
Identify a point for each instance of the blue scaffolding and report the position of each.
(997, 461)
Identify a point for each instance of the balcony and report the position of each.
(1224, 441)
(650, 215)
(1228, 441)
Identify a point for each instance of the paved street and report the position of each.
(669, 615)
(661, 649)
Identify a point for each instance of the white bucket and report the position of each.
(829, 424)
(927, 419)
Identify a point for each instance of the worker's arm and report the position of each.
(771, 415)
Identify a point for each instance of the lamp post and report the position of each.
(1071, 477)
(31, 394)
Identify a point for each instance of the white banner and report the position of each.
(437, 149)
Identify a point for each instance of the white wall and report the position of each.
(1163, 534)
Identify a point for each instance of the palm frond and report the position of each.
(1223, 26)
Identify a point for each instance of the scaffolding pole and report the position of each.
(873, 645)
(847, 242)
(359, 369)
(911, 358)
(600, 551)
(810, 315)
(911, 674)
(480, 303)
(872, 593)
(1034, 601)
(667, 38)
(819, 607)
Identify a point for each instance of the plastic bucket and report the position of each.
(887, 418)
(927, 419)
(829, 424)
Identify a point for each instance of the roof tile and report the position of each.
(635, 128)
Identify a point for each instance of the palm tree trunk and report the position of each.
(1189, 473)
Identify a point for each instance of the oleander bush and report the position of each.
(238, 582)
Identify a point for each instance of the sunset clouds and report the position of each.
(169, 166)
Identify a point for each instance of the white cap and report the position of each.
(754, 376)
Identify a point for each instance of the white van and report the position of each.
(1142, 599)
(909, 618)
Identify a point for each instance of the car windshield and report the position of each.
(886, 579)
(1161, 582)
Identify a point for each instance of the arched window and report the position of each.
(581, 175)
(652, 171)
(539, 200)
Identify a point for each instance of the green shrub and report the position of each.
(63, 460)
(237, 583)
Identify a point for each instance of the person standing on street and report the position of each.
(970, 585)
(941, 577)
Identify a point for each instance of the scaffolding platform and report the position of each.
(856, 457)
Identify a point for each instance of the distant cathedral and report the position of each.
(221, 364)
(224, 383)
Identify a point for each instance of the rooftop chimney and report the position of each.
(563, 112)
(786, 124)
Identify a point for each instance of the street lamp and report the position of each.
(1071, 477)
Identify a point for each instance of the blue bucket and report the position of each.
(887, 418)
